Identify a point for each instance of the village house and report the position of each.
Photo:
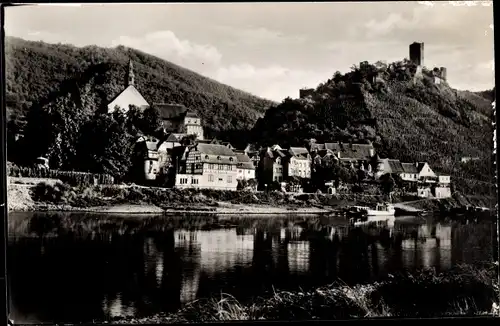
(146, 158)
(297, 163)
(178, 119)
(210, 166)
(352, 155)
(246, 169)
(388, 166)
(410, 172)
(272, 165)
(129, 96)
(425, 173)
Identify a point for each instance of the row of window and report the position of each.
(221, 167)
(198, 158)
(184, 181)
(220, 179)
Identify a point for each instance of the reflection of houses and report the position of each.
(222, 250)
(298, 257)
(206, 166)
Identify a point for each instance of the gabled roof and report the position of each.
(244, 161)
(215, 149)
(298, 151)
(175, 137)
(420, 166)
(409, 168)
(393, 166)
(170, 111)
(129, 96)
(347, 150)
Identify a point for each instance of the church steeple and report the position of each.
(131, 76)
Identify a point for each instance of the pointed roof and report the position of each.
(129, 96)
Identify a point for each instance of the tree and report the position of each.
(106, 146)
(387, 183)
(189, 140)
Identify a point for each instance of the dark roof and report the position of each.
(175, 137)
(191, 114)
(244, 161)
(394, 165)
(299, 152)
(351, 151)
(275, 154)
(171, 111)
(409, 168)
(214, 149)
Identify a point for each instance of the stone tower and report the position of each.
(131, 76)
(417, 53)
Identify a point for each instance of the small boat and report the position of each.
(385, 209)
(357, 211)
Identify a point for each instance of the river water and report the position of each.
(83, 267)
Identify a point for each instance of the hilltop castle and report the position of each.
(416, 50)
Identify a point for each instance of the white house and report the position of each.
(424, 171)
(298, 163)
(410, 172)
(209, 166)
(245, 167)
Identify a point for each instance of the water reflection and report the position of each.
(102, 268)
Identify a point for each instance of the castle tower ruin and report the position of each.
(417, 53)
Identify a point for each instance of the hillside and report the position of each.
(411, 119)
(38, 73)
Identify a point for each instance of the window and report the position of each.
(248, 171)
(210, 178)
(230, 159)
(211, 166)
(194, 181)
(183, 181)
(229, 179)
(240, 171)
(230, 167)
(197, 158)
(220, 167)
(218, 157)
(220, 179)
(206, 157)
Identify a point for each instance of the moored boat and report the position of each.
(384, 209)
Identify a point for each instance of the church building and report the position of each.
(129, 96)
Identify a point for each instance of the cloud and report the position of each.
(274, 82)
(258, 35)
(167, 45)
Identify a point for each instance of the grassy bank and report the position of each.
(466, 290)
(25, 195)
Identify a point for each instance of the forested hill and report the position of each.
(39, 73)
(407, 118)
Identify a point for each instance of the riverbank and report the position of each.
(466, 290)
(25, 194)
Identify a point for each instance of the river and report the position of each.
(82, 267)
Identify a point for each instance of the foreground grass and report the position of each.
(466, 290)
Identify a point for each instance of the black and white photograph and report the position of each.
(266, 161)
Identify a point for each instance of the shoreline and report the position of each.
(150, 209)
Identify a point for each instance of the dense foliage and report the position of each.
(38, 73)
(406, 117)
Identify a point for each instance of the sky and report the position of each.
(274, 49)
